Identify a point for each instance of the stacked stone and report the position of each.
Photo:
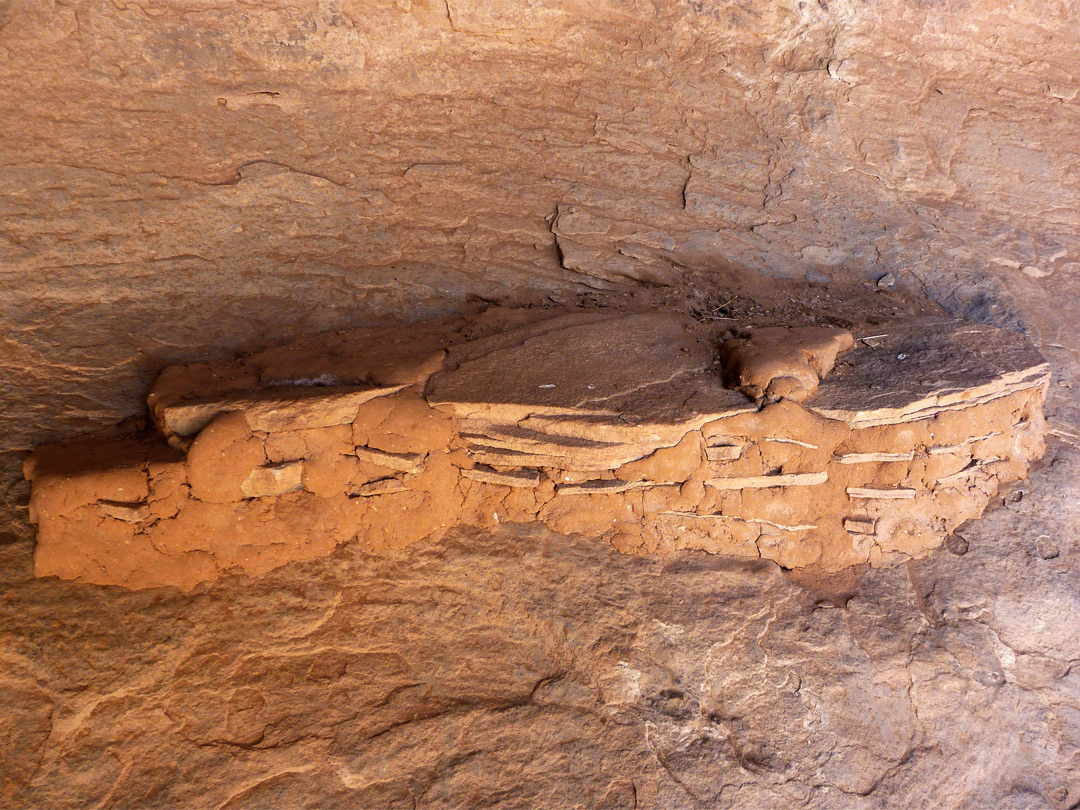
(808, 446)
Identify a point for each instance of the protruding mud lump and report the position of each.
(780, 362)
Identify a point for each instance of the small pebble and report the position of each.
(887, 281)
(957, 544)
(1032, 271)
(1060, 794)
(901, 356)
(1047, 548)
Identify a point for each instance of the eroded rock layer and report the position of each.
(616, 426)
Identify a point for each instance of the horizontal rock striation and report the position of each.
(615, 426)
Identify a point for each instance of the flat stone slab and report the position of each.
(648, 430)
(921, 367)
(624, 365)
(277, 409)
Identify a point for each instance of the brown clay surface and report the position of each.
(610, 425)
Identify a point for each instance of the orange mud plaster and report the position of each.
(613, 426)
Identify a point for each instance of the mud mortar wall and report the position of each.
(614, 427)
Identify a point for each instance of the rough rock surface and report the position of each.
(517, 668)
(609, 425)
(188, 179)
(180, 181)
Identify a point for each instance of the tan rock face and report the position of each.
(614, 426)
(513, 667)
(183, 180)
(179, 184)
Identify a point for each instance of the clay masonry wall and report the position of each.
(258, 475)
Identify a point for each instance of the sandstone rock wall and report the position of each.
(181, 180)
(273, 169)
(513, 667)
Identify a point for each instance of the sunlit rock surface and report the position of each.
(182, 181)
(512, 667)
(186, 178)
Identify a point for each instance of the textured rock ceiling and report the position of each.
(182, 180)
(193, 175)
